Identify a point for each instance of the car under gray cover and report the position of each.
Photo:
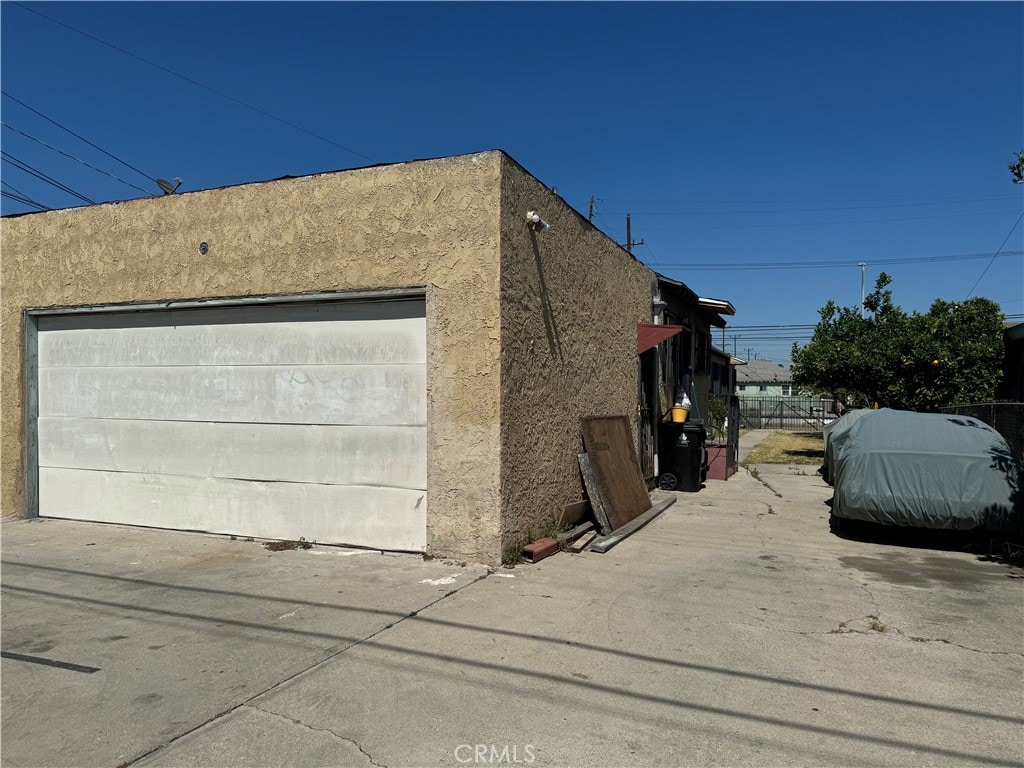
(925, 470)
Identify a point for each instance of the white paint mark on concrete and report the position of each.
(505, 575)
(289, 615)
(441, 581)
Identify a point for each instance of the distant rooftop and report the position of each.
(762, 372)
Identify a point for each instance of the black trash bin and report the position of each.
(683, 458)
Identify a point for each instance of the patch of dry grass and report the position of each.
(788, 448)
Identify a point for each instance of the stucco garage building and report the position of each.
(388, 356)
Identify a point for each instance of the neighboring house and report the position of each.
(393, 357)
(723, 372)
(682, 360)
(763, 378)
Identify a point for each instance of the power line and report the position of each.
(835, 200)
(23, 166)
(65, 154)
(1005, 239)
(711, 266)
(832, 223)
(27, 199)
(196, 83)
(815, 210)
(24, 200)
(80, 138)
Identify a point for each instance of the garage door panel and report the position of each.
(338, 455)
(361, 342)
(362, 516)
(347, 394)
(269, 420)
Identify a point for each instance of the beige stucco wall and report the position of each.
(432, 223)
(571, 301)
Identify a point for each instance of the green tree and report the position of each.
(921, 362)
(1017, 169)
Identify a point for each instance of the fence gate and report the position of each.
(793, 413)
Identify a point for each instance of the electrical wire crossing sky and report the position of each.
(762, 151)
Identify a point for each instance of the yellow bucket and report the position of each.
(679, 414)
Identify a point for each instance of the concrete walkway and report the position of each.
(732, 630)
(750, 440)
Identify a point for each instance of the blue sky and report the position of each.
(735, 134)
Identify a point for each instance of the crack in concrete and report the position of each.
(944, 641)
(877, 616)
(334, 733)
(332, 653)
(843, 629)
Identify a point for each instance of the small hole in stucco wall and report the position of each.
(204, 248)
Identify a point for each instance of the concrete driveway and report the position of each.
(733, 630)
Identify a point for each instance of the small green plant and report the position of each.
(757, 476)
(234, 538)
(513, 554)
(876, 625)
(303, 544)
(248, 538)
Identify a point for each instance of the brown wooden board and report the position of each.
(603, 543)
(574, 514)
(620, 483)
(594, 493)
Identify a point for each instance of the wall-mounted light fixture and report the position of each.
(536, 223)
(658, 305)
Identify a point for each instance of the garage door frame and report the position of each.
(31, 366)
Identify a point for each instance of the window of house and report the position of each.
(742, 387)
(763, 388)
(787, 390)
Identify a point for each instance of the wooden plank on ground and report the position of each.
(609, 444)
(575, 513)
(604, 543)
(594, 492)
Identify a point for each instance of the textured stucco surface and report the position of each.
(570, 303)
(432, 223)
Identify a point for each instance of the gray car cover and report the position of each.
(926, 470)
(834, 434)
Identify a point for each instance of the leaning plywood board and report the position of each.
(594, 493)
(620, 483)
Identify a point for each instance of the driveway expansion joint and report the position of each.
(332, 732)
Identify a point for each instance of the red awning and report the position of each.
(649, 336)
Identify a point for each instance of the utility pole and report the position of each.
(862, 265)
(734, 338)
(590, 215)
(748, 353)
(629, 236)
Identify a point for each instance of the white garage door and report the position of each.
(269, 421)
